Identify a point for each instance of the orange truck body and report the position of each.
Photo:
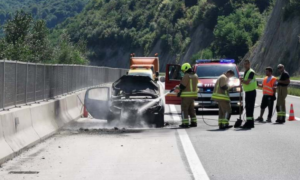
(145, 62)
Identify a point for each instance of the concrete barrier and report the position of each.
(6, 152)
(74, 107)
(18, 130)
(22, 128)
(44, 119)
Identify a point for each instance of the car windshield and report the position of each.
(212, 72)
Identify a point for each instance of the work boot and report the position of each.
(223, 126)
(184, 126)
(238, 123)
(193, 124)
(269, 120)
(280, 121)
(248, 125)
(259, 119)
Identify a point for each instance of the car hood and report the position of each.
(136, 85)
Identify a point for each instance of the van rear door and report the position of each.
(97, 101)
(173, 78)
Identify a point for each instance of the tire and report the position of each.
(160, 120)
(237, 110)
(110, 117)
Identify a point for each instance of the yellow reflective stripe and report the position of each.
(184, 92)
(223, 121)
(220, 96)
(191, 86)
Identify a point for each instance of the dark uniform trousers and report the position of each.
(250, 104)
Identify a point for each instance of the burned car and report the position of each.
(132, 100)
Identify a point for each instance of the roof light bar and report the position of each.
(215, 60)
(227, 61)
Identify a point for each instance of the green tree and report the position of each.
(236, 33)
(17, 28)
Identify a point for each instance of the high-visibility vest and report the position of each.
(253, 83)
(192, 91)
(220, 96)
(268, 86)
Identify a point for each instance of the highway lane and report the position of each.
(267, 152)
(90, 149)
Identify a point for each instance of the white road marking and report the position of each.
(196, 166)
(174, 110)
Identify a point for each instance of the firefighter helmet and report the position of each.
(185, 67)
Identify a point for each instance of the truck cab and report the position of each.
(208, 72)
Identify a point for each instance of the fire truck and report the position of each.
(208, 72)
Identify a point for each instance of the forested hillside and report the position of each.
(280, 42)
(52, 11)
(178, 30)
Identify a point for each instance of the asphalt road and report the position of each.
(90, 149)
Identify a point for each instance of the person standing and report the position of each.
(249, 85)
(282, 90)
(269, 90)
(221, 96)
(188, 91)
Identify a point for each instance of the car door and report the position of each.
(173, 78)
(97, 102)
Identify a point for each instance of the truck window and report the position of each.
(175, 73)
(214, 71)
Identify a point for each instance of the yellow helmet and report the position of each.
(185, 67)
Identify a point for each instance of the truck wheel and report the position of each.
(160, 120)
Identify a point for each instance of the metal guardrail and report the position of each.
(25, 83)
(293, 83)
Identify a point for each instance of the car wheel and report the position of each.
(110, 117)
(160, 120)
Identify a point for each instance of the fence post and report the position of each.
(16, 84)
(44, 89)
(54, 77)
(26, 83)
(35, 76)
(68, 80)
(63, 75)
(3, 95)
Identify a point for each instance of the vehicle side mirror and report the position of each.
(162, 79)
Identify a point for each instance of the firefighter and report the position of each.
(283, 82)
(269, 90)
(188, 92)
(221, 95)
(249, 85)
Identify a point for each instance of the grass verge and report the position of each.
(294, 91)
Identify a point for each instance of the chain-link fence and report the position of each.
(23, 83)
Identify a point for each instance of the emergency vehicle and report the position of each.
(208, 72)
